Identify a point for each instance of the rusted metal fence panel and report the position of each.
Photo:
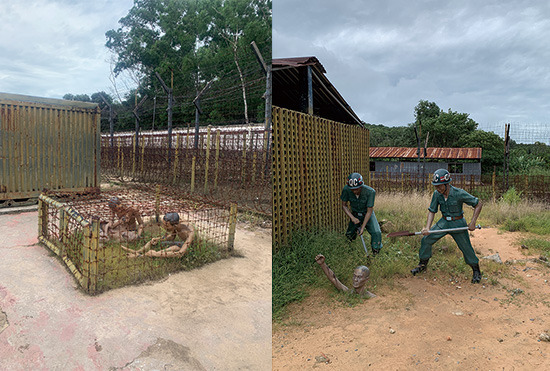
(312, 158)
(47, 144)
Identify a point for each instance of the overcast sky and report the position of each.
(52, 47)
(488, 58)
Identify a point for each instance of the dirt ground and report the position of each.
(425, 323)
(217, 317)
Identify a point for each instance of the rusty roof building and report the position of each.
(300, 84)
(431, 153)
(459, 161)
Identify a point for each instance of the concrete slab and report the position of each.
(214, 318)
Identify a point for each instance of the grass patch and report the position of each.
(116, 269)
(295, 272)
(538, 246)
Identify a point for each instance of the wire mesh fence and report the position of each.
(101, 258)
(484, 186)
(227, 165)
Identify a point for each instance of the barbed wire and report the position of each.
(526, 133)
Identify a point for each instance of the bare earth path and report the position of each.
(214, 318)
(428, 325)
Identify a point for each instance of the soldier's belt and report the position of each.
(449, 218)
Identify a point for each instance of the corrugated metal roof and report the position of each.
(431, 153)
(297, 62)
(289, 87)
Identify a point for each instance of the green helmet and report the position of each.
(441, 176)
(355, 180)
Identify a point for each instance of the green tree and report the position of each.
(492, 146)
(193, 42)
(446, 128)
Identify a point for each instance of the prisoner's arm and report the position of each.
(425, 230)
(477, 210)
(348, 212)
(190, 237)
(330, 274)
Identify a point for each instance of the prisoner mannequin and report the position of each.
(360, 277)
(126, 222)
(171, 223)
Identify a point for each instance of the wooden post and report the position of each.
(176, 157)
(243, 166)
(232, 227)
(134, 157)
(119, 139)
(63, 229)
(217, 160)
(193, 173)
(207, 163)
(494, 188)
(254, 155)
(42, 219)
(142, 155)
(94, 263)
(402, 185)
(157, 204)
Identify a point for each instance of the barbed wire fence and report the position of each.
(213, 144)
(521, 132)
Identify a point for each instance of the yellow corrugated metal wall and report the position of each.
(312, 158)
(44, 145)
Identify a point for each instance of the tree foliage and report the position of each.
(192, 44)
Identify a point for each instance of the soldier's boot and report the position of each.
(476, 278)
(421, 267)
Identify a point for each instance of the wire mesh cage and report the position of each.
(140, 245)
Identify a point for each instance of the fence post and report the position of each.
(142, 156)
(176, 157)
(254, 167)
(193, 173)
(86, 257)
(63, 228)
(243, 166)
(217, 160)
(207, 161)
(42, 219)
(134, 157)
(494, 189)
(232, 227)
(157, 203)
(402, 185)
(94, 249)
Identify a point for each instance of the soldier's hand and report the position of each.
(471, 227)
(425, 231)
(355, 220)
(360, 231)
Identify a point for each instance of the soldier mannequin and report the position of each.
(173, 227)
(361, 200)
(360, 277)
(449, 199)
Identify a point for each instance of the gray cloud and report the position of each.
(485, 58)
(50, 48)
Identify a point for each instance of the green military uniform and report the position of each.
(359, 206)
(451, 209)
